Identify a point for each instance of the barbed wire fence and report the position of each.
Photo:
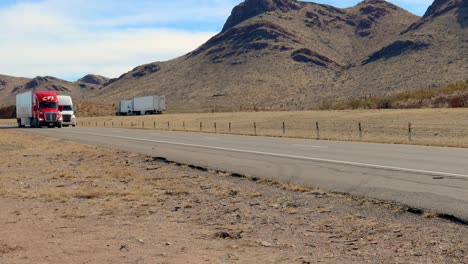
(439, 134)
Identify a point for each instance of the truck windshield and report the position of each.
(47, 105)
(66, 108)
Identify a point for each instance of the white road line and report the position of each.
(341, 162)
(309, 146)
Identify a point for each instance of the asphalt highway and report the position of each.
(431, 178)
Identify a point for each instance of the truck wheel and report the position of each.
(35, 123)
(59, 126)
(73, 125)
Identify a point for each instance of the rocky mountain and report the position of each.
(273, 54)
(431, 52)
(293, 55)
(94, 79)
(8, 83)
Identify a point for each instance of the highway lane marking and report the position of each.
(340, 162)
(309, 146)
(212, 138)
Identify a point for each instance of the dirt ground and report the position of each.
(64, 202)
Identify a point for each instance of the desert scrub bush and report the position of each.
(457, 101)
(383, 103)
(325, 105)
(453, 95)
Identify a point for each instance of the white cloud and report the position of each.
(72, 38)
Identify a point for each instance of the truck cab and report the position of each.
(65, 106)
(45, 109)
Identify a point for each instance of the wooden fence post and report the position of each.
(360, 131)
(183, 124)
(168, 125)
(230, 128)
(255, 128)
(201, 126)
(215, 128)
(284, 128)
(317, 129)
(410, 133)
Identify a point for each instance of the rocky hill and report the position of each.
(81, 89)
(286, 54)
(280, 54)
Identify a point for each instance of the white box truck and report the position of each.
(149, 105)
(66, 109)
(125, 107)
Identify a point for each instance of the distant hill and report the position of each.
(10, 86)
(293, 55)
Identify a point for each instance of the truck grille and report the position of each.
(66, 118)
(50, 117)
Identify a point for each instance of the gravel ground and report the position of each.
(64, 202)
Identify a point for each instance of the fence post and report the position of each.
(229, 127)
(104, 123)
(132, 124)
(360, 131)
(121, 123)
(96, 124)
(317, 129)
(215, 127)
(201, 126)
(112, 123)
(143, 124)
(284, 128)
(255, 128)
(168, 125)
(410, 132)
(154, 124)
(183, 124)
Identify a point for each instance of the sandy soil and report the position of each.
(63, 202)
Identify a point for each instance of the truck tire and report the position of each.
(34, 123)
(19, 123)
(59, 126)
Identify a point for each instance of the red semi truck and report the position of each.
(37, 109)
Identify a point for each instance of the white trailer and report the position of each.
(149, 105)
(24, 108)
(125, 107)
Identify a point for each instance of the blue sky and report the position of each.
(71, 38)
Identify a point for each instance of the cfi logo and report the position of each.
(48, 98)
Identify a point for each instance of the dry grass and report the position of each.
(437, 127)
